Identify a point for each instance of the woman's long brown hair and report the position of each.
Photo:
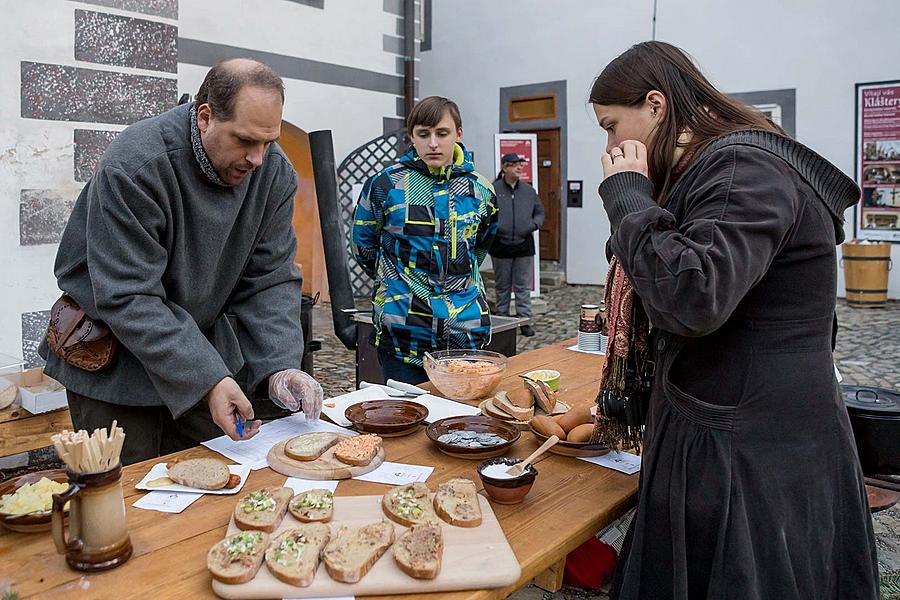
(693, 103)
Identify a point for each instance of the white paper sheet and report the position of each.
(441, 408)
(253, 451)
(159, 470)
(167, 502)
(624, 462)
(302, 485)
(397, 474)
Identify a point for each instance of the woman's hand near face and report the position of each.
(630, 155)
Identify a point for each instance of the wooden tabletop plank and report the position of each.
(571, 500)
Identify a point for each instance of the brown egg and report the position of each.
(582, 433)
(548, 426)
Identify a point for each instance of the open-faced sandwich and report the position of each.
(408, 504)
(312, 505)
(263, 509)
(456, 501)
(202, 474)
(354, 550)
(419, 551)
(237, 558)
(358, 450)
(310, 446)
(293, 556)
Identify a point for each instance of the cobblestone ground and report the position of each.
(867, 353)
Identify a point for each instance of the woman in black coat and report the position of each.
(720, 301)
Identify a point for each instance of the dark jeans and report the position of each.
(394, 368)
(150, 431)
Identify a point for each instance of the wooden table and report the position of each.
(21, 431)
(571, 500)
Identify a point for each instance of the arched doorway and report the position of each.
(310, 255)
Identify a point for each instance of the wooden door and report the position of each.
(549, 189)
(310, 253)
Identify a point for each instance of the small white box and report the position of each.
(39, 393)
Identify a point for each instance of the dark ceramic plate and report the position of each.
(34, 521)
(577, 449)
(478, 424)
(388, 418)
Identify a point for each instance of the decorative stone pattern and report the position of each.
(43, 215)
(34, 326)
(62, 93)
(125, 41)
(90, 144)
(159, 8)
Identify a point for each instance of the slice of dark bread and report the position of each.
(200, 473)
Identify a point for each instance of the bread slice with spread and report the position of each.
(293, 556)
(312, 506)
(237, 558)
(200, 473)
(263, 509)
(456, 501)
(310, 446)
(352, 551)
(419, 551)
(358, 450)
(409, 504)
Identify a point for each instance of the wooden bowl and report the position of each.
(32, 522)
(478, 424)
(507, 490)
(387, 418)
(576, 449)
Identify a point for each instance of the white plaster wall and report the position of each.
(819, 47)
(346, 32)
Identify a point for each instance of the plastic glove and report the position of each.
(293, 390)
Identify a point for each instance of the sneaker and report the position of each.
(527, 330)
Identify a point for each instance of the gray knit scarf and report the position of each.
(200, 153)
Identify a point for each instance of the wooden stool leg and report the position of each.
(551, 580)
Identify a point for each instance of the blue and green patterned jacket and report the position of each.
(421, 233)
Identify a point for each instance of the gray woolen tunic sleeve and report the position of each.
(129, 295)
(691, 276)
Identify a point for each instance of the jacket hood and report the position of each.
(462, 163)
(835, 189)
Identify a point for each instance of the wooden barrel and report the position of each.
(866, 269)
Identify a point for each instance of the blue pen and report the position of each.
(240, 427)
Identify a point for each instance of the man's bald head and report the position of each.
(223, 83)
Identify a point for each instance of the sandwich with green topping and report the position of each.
(263, 509)
(293, 556)
(409, 504)
(237, 558)
(312, 506)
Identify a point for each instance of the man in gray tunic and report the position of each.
(182, 243)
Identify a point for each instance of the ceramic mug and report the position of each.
(590, 318)
(97, 538)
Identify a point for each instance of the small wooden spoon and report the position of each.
(519, 468)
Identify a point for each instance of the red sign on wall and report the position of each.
(523, 149)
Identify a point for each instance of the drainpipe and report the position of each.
(334, 240)
(409, 55)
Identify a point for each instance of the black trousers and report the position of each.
(150, 431)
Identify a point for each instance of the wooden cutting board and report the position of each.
(474, 558)
(324, 468)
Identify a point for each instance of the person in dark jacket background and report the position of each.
(512, 254)
(723, 239)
